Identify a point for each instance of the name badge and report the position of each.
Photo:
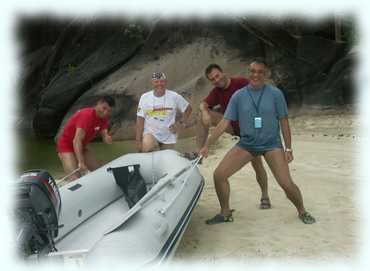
(257, 122)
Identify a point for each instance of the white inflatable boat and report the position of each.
(132, 211)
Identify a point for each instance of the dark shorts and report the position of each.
(257, 152)
(236, 128)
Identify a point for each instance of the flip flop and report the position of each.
(220, 218)
(265, 203)
(307, 218)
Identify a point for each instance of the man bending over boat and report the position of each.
(262, 113)
(156, 125)
(80, 129)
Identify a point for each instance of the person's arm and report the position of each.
(186, 115)
(183, 105)
(106, 136)
(216, 133)
(183, 122)
(204, 107)
(205, 115)
(139, 133)
(184, 119)
(285, 130)
(78, 148)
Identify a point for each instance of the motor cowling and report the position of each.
(36, 212)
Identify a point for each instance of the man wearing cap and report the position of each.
(80, 129)
(156, 124)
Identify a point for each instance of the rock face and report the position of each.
(72, 80)
(117, 58)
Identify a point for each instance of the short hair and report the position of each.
(211, 67)
(259, 60)
(107, 99)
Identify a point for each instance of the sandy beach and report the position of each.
(324, 167)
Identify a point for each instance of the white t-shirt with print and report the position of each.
(159, 113)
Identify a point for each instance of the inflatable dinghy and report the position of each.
(132, 211)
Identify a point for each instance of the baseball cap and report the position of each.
(158, 76)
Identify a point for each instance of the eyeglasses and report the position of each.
(252, 71)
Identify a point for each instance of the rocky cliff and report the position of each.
(68, 64)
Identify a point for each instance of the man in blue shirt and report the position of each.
(262, 112)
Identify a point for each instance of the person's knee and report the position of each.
(259, 168)
(149, 143)
(69, 162)
(219, 175)
(148, 148)
(167, 146)
(202, 122)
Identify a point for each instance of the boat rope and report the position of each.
(67, 176)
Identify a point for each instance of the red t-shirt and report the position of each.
(85, 119)
(221, 97)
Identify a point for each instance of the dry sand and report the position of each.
(324, 143)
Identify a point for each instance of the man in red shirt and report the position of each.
(79, 130)
(224, 88)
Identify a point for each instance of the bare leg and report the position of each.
(90, 159)
(69, 163)
(261, 176)
(166, 146)
(280, 169)
(202, 134)
(203, 128)
(149, 143)
(234, 160)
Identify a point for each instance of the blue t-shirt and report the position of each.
(272, 107)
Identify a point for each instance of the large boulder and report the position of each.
(74, 79)
(93, 58)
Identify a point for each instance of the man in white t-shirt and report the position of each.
(156, 116)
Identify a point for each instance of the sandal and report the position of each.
(307, 218)
(220, 218)
(265, 203)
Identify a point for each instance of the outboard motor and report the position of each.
(36, 212)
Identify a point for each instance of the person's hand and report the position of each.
(204, 151)
(289, 156)
(139, 145)
(206, 119)
(108, 139)
(82, 167)
(173, 128)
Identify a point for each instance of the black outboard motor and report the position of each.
(36, 212)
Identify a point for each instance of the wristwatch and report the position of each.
(288, 150)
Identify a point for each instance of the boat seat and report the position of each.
(130, 181)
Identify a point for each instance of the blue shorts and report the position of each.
(257, 151)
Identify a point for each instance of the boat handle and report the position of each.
(164, 210)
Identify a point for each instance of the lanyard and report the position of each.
(256, 105)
